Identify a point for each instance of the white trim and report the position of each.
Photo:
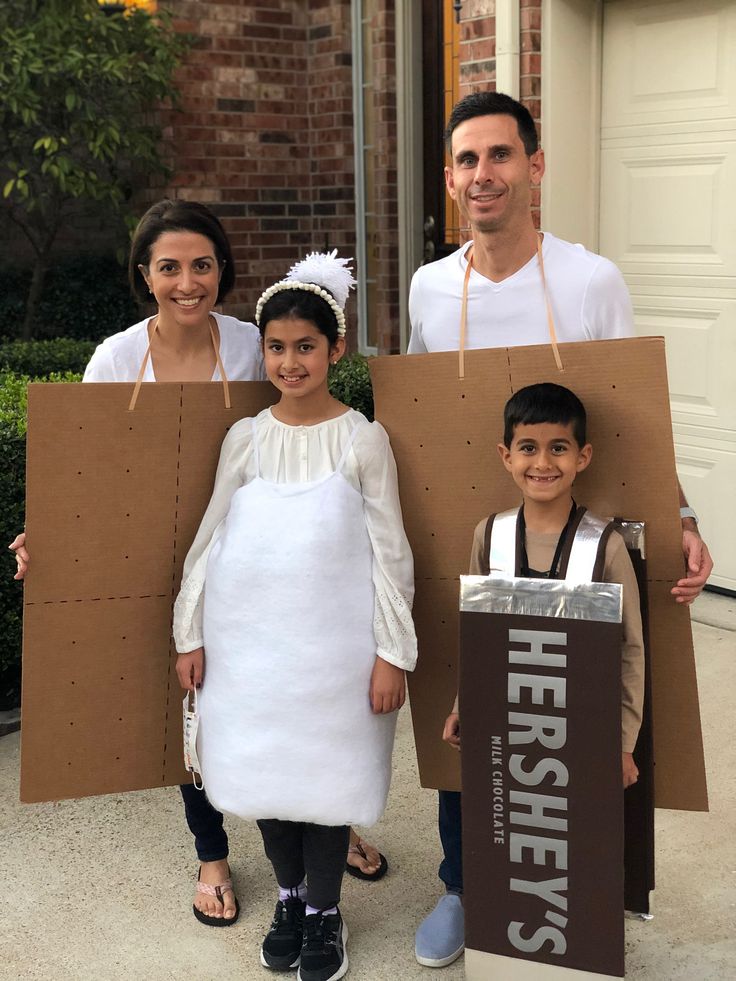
(508, 47)
(571, 99)
(409, 140)
(356, 18)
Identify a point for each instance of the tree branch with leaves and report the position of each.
(78, 121)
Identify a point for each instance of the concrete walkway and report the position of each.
(101, 888)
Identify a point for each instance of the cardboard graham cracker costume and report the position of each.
(444, 430)
(113, 500)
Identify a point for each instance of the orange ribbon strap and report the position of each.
(464, 312)
(218, 359)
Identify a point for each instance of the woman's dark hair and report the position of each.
(545, 402)
(178, 216)
(302, 305)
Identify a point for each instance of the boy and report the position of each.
(544, 449)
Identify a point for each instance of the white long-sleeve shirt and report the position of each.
(295, 454)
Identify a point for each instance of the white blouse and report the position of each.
(119, 357)
(295, 454)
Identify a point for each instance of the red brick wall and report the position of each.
(264, 134)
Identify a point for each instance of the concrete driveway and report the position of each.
(101, 888)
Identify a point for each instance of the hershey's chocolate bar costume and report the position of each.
(588, 550)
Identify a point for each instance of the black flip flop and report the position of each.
(367, 876)
(218, 921)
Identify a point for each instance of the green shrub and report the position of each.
(85, 297)
(41, 358)
(350, 382)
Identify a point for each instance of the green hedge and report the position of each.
(349, 382)
(41, 358)
(85, 297)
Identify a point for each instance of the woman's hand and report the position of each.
(451, 732)
(388, 687)
(22, 558)
(190, 669)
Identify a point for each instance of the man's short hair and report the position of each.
(541, 403)
(493, 104)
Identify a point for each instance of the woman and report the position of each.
(181, 258)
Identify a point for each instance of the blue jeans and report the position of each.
(205, 823)
(451, 836)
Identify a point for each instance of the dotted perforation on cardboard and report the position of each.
(173, 584)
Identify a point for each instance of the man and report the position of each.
(495, 162)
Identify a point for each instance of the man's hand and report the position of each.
(388, 687)
(630, 769)
(22, 558)
(451, 732)
(190, 669)
(699, 564)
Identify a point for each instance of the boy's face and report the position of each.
(544, 460)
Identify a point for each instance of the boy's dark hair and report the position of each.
(545, 402)
(493, 104)
(299, 304)
(178, 216)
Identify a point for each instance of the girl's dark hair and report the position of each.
(178, 216)
(302, 305)
(545, 402)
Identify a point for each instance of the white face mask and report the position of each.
(191, 725)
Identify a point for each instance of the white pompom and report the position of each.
(327, 270)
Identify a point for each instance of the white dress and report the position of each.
(308, 576)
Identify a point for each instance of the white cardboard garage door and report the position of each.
(668, 220)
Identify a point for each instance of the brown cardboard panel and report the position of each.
(679, 776)
(630, 474)
(436, 615)
(114, 499)
(91, 471)
(444, 431)
(93, 717)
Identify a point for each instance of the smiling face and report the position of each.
(183, 274)
(297, 356)
(544, 459)
(491, 173)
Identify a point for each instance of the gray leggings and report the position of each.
(298, 850)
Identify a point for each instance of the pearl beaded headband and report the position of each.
(321, 273)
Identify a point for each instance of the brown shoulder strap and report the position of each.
(600, 559)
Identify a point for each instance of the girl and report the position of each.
(305, 619)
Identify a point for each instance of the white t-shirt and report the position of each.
(119, 358)
(294, 455)
(587, 293)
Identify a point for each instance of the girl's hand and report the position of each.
(22, 558)
(190, 669)
(451, 732)
(630, 769)
(388, 687)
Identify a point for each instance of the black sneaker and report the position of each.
(324, 957)
(282, 945)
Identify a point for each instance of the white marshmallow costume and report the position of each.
(299, 575)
